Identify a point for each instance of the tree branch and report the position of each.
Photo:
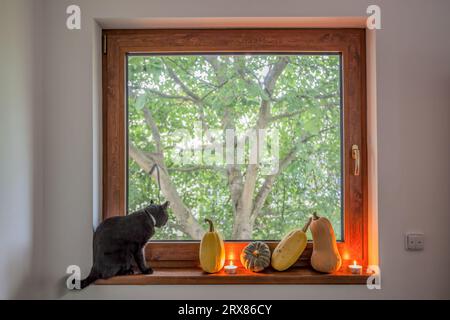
(154, 128)
(196, 168)
(305, 96)
(268, 183)
(144, 160)
(284, 115)
(169, 96)
(274, 73)
(195, 98)
(217, 67)
(183, 87)
(243, 225)
(235, 179)
(241, 70)
(132, 94)
(234, 175)
(186, 71)
(182, 213)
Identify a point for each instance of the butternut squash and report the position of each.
(212, 250)
(290, 248)
(325, 257)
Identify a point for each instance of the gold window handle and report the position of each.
(356, 157)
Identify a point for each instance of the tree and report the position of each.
(297, 95)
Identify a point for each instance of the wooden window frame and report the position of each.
(350, 43)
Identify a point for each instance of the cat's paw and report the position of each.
(147, 271)
(129, 272)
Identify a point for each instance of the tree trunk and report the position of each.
(182, 214)
(244, 219)
(243, 227)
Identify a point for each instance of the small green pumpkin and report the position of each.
(256, 256)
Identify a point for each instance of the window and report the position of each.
(184, 108)
(288, 103)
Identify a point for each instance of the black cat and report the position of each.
(118, 240)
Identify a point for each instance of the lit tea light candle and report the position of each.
(355, 268)
(231, 268)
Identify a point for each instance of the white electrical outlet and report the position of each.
(414, 241)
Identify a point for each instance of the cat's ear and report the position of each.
(165, 205)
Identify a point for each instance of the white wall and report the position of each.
(413, 124)
(20, 146)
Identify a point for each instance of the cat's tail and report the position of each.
(90, 279)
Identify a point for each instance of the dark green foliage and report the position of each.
(308, 89)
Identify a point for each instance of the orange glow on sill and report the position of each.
(233, 252)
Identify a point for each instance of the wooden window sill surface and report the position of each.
(300, 275)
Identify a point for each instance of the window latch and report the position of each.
(356, 158)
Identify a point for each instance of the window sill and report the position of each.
(298, 275)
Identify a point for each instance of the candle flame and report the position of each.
(231, 263)
(354, 262)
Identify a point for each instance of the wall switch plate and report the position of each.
(414, 241)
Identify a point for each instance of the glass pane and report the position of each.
(251, 141)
